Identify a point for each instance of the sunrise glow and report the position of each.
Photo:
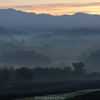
(53, 8)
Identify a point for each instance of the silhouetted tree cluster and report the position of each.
(76, 72)
(79, 70)
(5, 75)
(24, 73)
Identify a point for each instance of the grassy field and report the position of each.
(60, 96)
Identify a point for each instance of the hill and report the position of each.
(46, 21)
(24, 58)
(7, 34)
(87, 96)
(92, 62)
(92, 94)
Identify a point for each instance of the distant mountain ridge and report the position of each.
(24, 58)
(12, 17)
(7, 34)
(11, 10)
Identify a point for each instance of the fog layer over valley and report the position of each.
(49, 41)
(48, 48)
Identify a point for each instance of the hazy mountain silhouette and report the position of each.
(62, 37)
(7, 34)
(85, 33)
(24, 58)
(93, 61)
(45, 21)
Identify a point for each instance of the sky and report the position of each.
(53, 7)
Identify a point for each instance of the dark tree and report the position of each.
(5, 75)
(79, 70)
(25, 73)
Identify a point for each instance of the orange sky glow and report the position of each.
(68, 8)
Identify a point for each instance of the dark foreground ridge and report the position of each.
(88, 96)
(23, 90)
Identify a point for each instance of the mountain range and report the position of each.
(8, 34)
(11, 17)
(67, 38)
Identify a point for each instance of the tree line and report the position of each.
(76, 72)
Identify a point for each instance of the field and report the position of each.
(48, 90)
(68, 96)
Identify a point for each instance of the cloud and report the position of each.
(60, 5)
(59, 8)
(72, 4)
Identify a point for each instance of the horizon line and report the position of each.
(47, 13)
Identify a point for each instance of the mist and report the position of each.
(42, 54)
(67, 46)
